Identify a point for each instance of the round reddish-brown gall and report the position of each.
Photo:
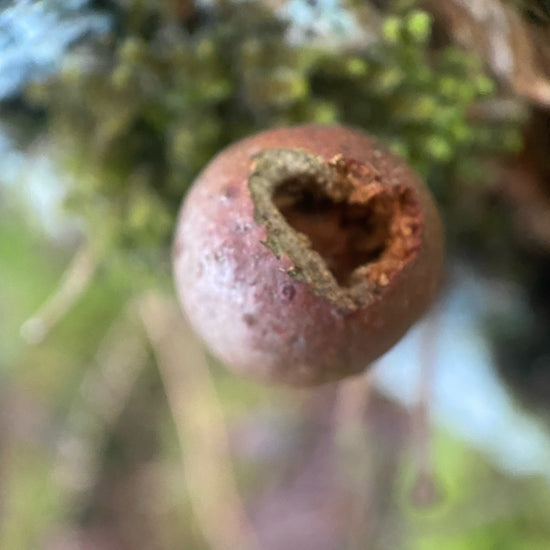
(302, 254)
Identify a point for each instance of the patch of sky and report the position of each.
(34, 176)
(320, 19)
(34, 35)
(469, 398)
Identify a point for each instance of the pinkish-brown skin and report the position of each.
(246, 303)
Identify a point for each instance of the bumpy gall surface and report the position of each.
(302, 254)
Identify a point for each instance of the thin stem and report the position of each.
(200, 426)
(73, 284)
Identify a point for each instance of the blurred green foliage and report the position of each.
(134, 119)
(139, 117)
(480, 509)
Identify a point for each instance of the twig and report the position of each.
(74, 282)
(200, 425)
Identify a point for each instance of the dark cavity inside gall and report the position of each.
(346, 235)
(345, 230)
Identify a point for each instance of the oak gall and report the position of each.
(302, 254)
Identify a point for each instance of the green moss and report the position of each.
(159, 100)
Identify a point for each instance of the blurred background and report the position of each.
(117, 430)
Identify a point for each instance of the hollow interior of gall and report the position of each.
(346, 236)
